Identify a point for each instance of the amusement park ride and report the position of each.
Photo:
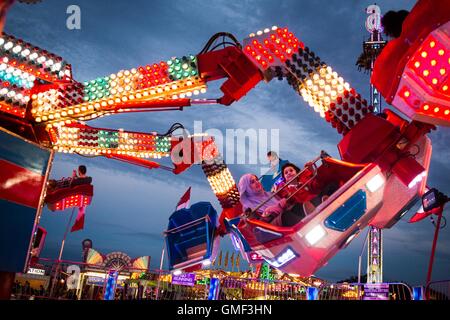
(384, 157)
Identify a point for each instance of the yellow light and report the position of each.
(434, 81)
(426, 107)
(447, 112)
(426, 73)
(445, 88)
(417, 64)
(433, 62)
(442, 71)
(436, 110)
(424, 54)
(406, 94)
(432, 44)
(441, 52)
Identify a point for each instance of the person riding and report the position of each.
(253, 195)
(296, 189)
(269, 208)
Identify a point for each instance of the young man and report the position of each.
(270, 177)
(81, 172)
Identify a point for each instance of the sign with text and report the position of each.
(185, 279)
(40, 272)
(376, 291)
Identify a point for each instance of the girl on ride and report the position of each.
(253, 195)
(264, 206)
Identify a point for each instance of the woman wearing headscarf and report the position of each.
(253, 194)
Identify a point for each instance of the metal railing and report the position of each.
(438, 290)
(157, 285)
(355, 291)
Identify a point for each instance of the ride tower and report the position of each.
(371, 48)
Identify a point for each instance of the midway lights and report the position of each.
(221, 181)
(315, 235)
(72, 201)
(420, 85)
(283, 258)
(375, 183)
(33, 60)
(279, 53)
(108, 95)
(91, 141)
(15, 85)
(409, 171)
(429, 68)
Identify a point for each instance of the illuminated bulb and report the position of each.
(436, 110)
(9, 45)
(441, 52)
(442, 71)
(424, 54)
(434, 81)
(417, 64)
(426, 73)
(433, 62)
(447, 112)
(426, 107)
(432, 44)
(445, 88)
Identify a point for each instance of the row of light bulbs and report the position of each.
(31, 55)
(187, 87)
(92, 151)
(261, 32)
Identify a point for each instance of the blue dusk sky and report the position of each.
(131, 205)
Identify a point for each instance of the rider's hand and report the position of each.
(282, 203)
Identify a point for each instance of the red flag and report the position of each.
(184, 201)
(79, 221)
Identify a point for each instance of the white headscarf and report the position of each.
(251, 199)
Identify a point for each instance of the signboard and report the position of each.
(40, 272)
(185, 279)
(91, 280)
(376, 291)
